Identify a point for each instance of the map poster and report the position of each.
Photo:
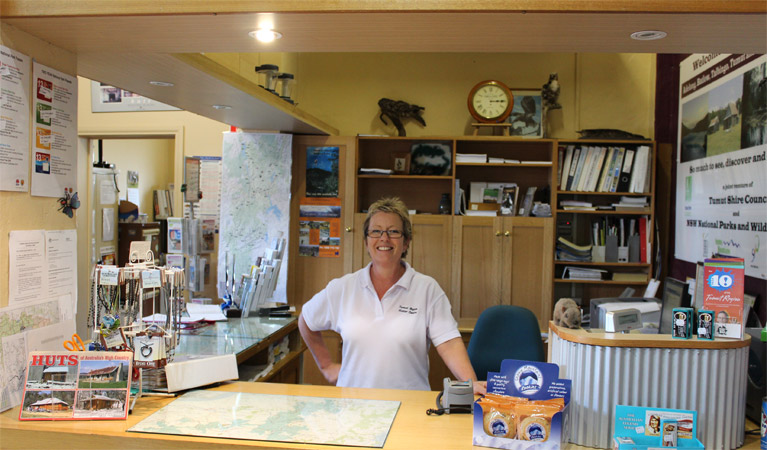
(319, 223)
(14, 120)
(721, 193)
(54, 128)
(255, 202)
(76, 386)
(723, 294)
(322, 171)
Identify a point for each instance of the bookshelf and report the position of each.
(478, 261)
(592, 198)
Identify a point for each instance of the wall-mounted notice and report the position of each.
(721, 188)
(54, 127)
(14, 120)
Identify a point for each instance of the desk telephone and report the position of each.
(456, 397)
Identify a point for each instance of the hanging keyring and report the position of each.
(146, 349)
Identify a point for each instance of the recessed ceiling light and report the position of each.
(648, 35)
(222, 106)
(161, 83)
(265, 35)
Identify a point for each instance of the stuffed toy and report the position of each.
(567, 313)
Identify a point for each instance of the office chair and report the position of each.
(504, 332)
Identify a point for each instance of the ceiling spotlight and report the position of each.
(161, 83)
(649, 35)
(222, 106)
(265, 35)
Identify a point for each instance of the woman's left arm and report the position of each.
(453, 353)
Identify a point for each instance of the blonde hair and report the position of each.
(395, 206)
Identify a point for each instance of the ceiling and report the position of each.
(128, 51)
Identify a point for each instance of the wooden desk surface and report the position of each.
(412, 428)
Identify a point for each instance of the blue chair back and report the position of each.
(504, 332)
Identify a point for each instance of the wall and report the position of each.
(151, 158)
(21, 211)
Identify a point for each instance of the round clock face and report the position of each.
(490, 101)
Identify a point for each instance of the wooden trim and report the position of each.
(582, 336)
(38, 8)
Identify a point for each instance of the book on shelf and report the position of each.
(573, 167)
(375, 171)
(625, 175)
(536, 162)
(617, 169)
(565, 170)
(482, 213)
(584, 172)
(640, 177)
(609, 160)
(494, 160)
(511, 161)
(582, 273)
(574, 203)
(470, 158)
(527, 203)
(638, 277)
(582, 153)
(560, 161)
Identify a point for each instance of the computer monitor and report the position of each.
(675, 295)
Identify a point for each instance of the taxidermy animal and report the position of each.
(550, 93)
(396, 110)
(609, 133)
(567, 314)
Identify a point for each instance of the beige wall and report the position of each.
(22, 211)
(151, 158)
(343, 89)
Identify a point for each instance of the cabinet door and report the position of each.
(528, 262)
(430, 249)
(477, 254)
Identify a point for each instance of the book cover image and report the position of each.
(76, 386)
(723, 294)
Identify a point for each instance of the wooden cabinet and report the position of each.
(577, 226)
(502, 261)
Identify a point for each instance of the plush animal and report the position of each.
(567, 313)
(396, 110)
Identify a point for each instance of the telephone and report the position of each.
(456, 397)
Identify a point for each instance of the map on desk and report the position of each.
(267, 417)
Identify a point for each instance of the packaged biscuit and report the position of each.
(534, 421)
(499, 419)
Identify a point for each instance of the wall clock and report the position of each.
(490, 101)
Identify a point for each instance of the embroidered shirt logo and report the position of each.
(408, 310)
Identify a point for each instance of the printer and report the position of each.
(650, 309)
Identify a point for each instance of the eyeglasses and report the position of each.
(393, 234)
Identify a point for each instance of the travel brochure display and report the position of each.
(723, 294)
(638, 428)
(76, 386)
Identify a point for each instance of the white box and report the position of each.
(191, 371)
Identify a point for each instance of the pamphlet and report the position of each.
(723, 294)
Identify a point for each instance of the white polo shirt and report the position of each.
(385, 342)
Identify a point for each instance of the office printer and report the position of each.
(650, 308)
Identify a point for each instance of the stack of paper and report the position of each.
(374, 171)
(568, 251)
(470, 158)
(581, 273)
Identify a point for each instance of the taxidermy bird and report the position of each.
(550, 93)
(396, 110)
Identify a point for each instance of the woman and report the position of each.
(387, 315)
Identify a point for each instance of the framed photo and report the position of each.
(431, 158)
(526, 117)
(400, 163)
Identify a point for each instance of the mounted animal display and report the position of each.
(396, 110)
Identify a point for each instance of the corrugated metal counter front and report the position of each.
(609, 369)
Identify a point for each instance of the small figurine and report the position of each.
(550, 93)
(567, 313)
(396, 110)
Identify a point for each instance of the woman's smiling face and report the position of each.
(385, 249)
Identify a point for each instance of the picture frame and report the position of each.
(526, 116)
(400, 163)
(431, 159)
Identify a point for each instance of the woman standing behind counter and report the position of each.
(387, 315)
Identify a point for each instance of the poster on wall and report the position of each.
(721, 193)
(14, 120)
(54, 143)
(319, 227)
(322, 171)
(106, 98)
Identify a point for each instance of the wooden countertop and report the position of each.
(583, 336)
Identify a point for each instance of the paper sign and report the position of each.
(150, 279)
(109, 275)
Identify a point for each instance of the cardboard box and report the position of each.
(191, 371)
(534, 381)
(639, 428)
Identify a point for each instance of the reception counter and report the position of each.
(609, 369)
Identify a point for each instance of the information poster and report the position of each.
(319, 232)
(54, 131)
(14, 120)
(322, 171)
(723, 294)
(209, 206)
(722, 160)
